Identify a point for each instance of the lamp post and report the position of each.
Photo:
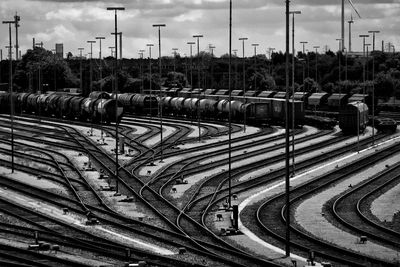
(351, 21)
(101, 88)
(16, 24)
(160, 70)
(304, 43)
(80, 67)
(230, 109)
(191, 65)
(373, 38)
(212, 65)
(287, 157)
(91, 76)
(236, 65)
(270, 51)
(198, 36)
(141, 53)
(316, 63)
(255, 63)
(339, 59)
(116, 9)
(9, 22)
(174, 52)
(111, 50)
(150, 46)
(91, 65)
(244, 81)
(293, 78)
(364, 36)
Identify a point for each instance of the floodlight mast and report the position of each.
(198, 36)
(160, 71)
(293, 78)
(101, 88)
(9, 22)
(244, 82)
(115, 9)
(150, 46)
(287, 172)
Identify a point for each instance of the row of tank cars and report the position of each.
(257, 110)
(98, 107)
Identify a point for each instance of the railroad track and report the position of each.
(271, 219)
(352, 209)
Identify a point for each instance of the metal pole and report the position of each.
(115, 9)
(230, 105)
(160, 70)
(11, 94)
(339, 59)
(149, 46)
(350, 22)
(198, 81)
(316, 63)
(255, 63)
(244, 82)
(287, 176)
(174, 49)
(101, 88)
(17, 19)
(91, 76)
(293, 78)
(80, 68)
(342, 21)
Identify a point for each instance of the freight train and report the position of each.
(255, 111)
(321, 102)
(96, 108)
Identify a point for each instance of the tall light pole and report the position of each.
(212, 47)
(191, 64)
(316, 62)
(91, 75)
(111, 50)
(150, 46)
(270, 52)
(91, 65)
(364, 36)
(174, 52)
(101, 77)
(9, 22)
(351, 21)
(255, 63)
(373, 38)
(287, 173)
(293, 78)
(116, 9)
(244, 81)
(16, 23)
(304, 43)
(80, 68)
(160, 70)
(141, 53)
(230, 107)
(339, 59)
(198, 36)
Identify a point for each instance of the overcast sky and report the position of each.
(73, 22)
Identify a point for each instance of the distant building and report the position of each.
(60, 50)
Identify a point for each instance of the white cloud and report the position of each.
(193, 15)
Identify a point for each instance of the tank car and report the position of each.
(105, 111)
